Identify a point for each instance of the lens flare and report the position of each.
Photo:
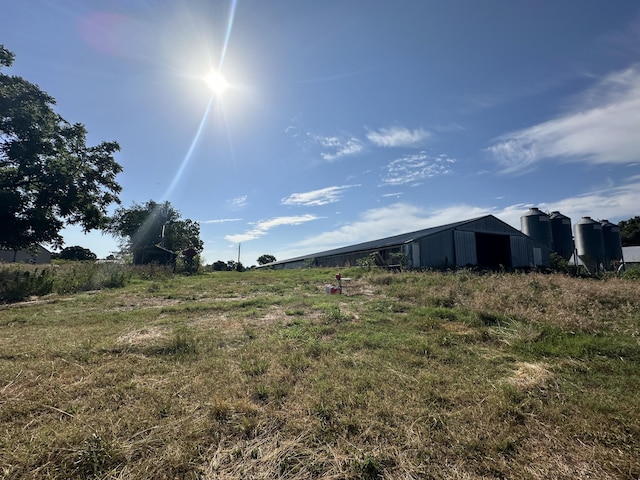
(216, 82)
(187, 157)
(232, 14)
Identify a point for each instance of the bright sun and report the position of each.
(216, 82)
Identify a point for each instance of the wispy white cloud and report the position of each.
(411, 169)
(397, 137)
(219, 220)
(601, 127)
(261, 228)
(239, 203)
(314, 198)
(339, 146)
(295, 127)
(335, 147)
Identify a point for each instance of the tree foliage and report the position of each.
(630, 231)
(266, 258)
(49, 177)
(219, 266)
(77, 253)
(153, 223)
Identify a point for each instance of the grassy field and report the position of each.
(261, 374)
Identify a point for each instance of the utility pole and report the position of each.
(239, 253)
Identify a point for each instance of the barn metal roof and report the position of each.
(395, 240)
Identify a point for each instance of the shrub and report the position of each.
(18, 283)
(632, 273)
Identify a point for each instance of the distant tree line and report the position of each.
(228, 266)
(232, 265)
(264, 259)
(630, 231)
(77, 253)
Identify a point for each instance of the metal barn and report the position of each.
(485, 242)
(37, 256)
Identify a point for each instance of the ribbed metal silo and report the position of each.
(612, 244)
(561, 234)
(590, 243)
(537, 225)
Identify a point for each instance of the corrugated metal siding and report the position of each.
(415, 255)
(437, 251)
(411, 252)
(40, 256)
(488, 224)
(521, 251)
(391, 256)
(546, 257)
(465, 245)
(292, 265)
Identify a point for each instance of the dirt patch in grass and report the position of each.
(528, 376)
(145, 336)
(128, 303)
(457, 328)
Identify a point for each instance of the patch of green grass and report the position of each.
(254, 366)
(553, 342)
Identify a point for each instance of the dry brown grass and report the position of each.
(262, 375)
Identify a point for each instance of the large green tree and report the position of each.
(49, 177)
(77, 253)
(153, 223)
(266, 258)
(630, 231)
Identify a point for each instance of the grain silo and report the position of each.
(590, 244)
(561, 234)
(612, 240)
(537, 225)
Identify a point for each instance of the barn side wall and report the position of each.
(486, 241)
(40, 257)
(458, 247)
(437, 251)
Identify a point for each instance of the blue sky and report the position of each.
(346, 121)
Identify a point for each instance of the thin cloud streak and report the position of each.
(262, 228)
(239, 202)
(220, 220)
(318, 197)
(397, 137)
(601, 127)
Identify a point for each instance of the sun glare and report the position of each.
(216, 82)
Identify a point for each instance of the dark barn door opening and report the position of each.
(493, 250)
